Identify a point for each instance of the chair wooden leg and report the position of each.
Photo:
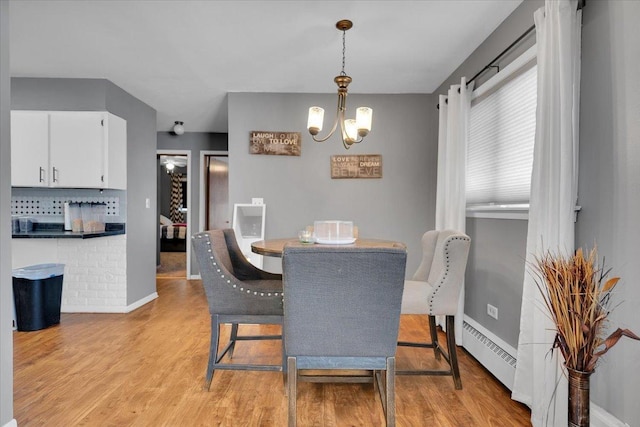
(284, 366)
(213, 351)
(292, 380)
(232, 339)
(453, 357)
(390, 386)
(434, 336)
(450, 354)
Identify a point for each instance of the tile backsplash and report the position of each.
(46, 205)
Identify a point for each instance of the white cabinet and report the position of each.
(75, 149)
(248, 226)
(30, 148)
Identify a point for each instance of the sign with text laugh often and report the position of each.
(276, 143)
(356, 166)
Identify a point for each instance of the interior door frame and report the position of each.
(203, 176)
(187, 153)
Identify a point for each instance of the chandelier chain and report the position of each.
(344, 49)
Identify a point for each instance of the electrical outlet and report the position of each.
(492, 311)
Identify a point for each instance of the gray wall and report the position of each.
(102, 95)
(141, 185)
(609, 185)
(193, 142)
(298, 190)
(495, 270)
(58, 94)
(6, 298)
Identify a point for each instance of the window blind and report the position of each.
(501, 138)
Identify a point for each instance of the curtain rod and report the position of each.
(581, 4)
(501, 54)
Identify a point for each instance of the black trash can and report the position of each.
(37, 292)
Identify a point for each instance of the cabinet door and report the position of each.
(115, 168)
(30, 148)
(77, 149)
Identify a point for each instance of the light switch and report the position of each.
(147, 203)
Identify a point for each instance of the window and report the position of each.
(501, 139)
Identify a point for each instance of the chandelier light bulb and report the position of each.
(350, 129)
(363, 120)
(316, 117)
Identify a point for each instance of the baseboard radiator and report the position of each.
(499, 358)
(493, 353)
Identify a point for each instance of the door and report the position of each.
(217, 212)
(174, 211)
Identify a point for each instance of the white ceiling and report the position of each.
(182, 57)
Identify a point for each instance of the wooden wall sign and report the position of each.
(356, 166)
(275, 143)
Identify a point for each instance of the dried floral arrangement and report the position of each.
(578, 295)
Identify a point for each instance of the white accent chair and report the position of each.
(434, 290)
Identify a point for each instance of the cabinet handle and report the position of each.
(55, 175)
(41, 174)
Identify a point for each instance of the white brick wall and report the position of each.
(95, 276)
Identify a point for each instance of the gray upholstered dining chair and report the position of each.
(237, 293)
(342, 311)
(435, 289)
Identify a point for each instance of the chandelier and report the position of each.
(353, 131)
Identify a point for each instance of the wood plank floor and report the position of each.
(146, 368)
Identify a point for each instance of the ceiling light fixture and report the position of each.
(178, 128)
(353, 131)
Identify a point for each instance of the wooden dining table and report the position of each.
(274, 247)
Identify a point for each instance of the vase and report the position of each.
(578, 398)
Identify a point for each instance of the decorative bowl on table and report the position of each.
(334, 232)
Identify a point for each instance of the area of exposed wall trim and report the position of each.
(493, 353)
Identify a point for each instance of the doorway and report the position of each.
(216, 192)
(174, 215)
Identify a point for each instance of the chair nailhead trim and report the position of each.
(446, 270)
(218, 270)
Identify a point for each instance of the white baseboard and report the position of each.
(12, 423)
(93, 309)
(601, 418)
(492, 352)
(109, 308)
(141, 302)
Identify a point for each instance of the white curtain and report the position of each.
(539, 381)
(452, 164)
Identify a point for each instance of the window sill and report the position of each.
(515, 211)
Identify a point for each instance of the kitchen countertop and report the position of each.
(57, 231)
